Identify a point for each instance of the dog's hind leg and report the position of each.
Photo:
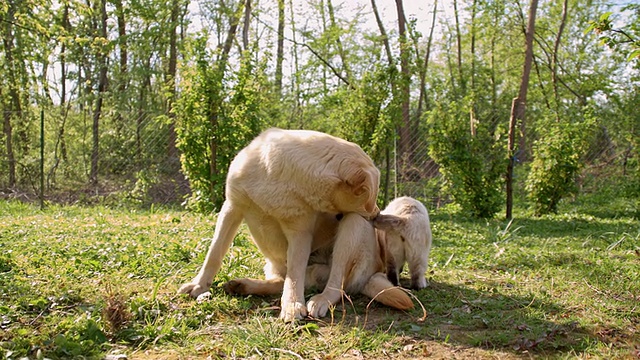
(229, 220)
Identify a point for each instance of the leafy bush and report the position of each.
(215, 121)
(472, 166)
(557, 160)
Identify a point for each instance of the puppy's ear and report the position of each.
(388, 222)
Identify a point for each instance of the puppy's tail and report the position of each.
(380, 289)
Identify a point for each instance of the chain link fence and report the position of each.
(136, 160)
(139, 166)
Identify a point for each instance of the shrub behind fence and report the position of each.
(138, 167)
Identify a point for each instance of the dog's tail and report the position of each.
(380, 289)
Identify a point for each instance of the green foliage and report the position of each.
(558, 158)
(365, 114)
(215, 120)
(625, 40)
(471, 165)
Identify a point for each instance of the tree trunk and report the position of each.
(383, 33)
(172, 151)
(245, 28)
(422, 99)
(343, 56)
(216, 104)
(554, 63)
(296, 65)
(8, 135)
(405, 79)
(60, 140)
(458, 44)
(102, 87)
(14, 103)
(63, 84)
(519, 104)
(472, 112)
(280, 48)
(122, 40)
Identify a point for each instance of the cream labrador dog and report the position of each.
(279, 185)
(353, 264)
(407, 231)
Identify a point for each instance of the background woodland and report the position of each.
(470, 102)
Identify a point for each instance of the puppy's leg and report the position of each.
(272, 285)
(353, 262)
(317, 276)
(393, 274)
(300, 237)
(417, 250)
(229, 220)
(248, 286)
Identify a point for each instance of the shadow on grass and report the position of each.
(465, 317)
(493, 320)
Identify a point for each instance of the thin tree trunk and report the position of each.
(518, 105)
(323, 16)
(122, 40)
(280, 47)
(343, 56)
(246, 24)
(8, 135)
(222, 61)
(494, 85)
(405, 78)
(458, 44)
(145, 87)
(387, 150)
(422, 99)
(60, 140)
(102, 87)
(296, 66)
(383, 33)
(15, 106)
(472, 112)
(63, 79)
(554, 63)
(172, 151)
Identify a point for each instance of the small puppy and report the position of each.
(353, 264)
(405, 224)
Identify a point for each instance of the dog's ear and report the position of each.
(388, 222)
(356, 178)
(359, 181)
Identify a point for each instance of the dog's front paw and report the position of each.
(293, 311)
(318, 306)
(194, 289)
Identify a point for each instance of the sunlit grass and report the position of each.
(85, 282)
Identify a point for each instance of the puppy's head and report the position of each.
(388, 222)
(358, 190)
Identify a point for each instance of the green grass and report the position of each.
(79, 282)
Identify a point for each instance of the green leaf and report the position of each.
(605, 16)
(634, 54)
